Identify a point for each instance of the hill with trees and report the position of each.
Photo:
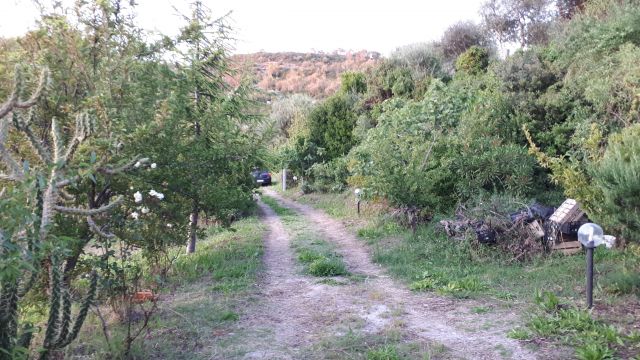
(314, 74)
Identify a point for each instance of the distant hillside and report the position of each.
(316, 74)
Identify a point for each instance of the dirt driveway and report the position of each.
(296, 314)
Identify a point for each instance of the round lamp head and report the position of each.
(590, 235)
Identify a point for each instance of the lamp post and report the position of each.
(590, 235)
(358, 192)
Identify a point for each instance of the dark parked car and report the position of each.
(262, 177)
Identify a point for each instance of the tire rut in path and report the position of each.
(426, 317)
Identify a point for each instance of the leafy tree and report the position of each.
(568, 8)
(523, 21)
(206, 144)
(424, 60)
(461, 36)
(289, 115)
(331, 126)
(300, 154)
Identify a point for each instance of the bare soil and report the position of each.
(296, 312)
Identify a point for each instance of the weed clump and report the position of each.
(308, 256)
(327, 267)
(592, 338)
(621, 283)
(386, 352)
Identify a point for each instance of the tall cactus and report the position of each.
(59, 331)
(53, 173)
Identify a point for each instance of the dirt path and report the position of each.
(295, 311)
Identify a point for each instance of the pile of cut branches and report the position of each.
(494, 222)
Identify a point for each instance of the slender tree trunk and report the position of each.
(193, 227)
(195, 207)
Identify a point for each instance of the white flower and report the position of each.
(135, 215)
(137, 164)
(169, 226)
(156, 194)
(295, 178)
(145, 210)
(153, 166)
(137, 196)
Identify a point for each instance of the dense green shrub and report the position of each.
(488, 164)
(392, 78)
(405, 158)
(618, 174)
(331, 126)
(299, 155)
(425, 140)
(353, 82)
(473, 61)
(329, 176)
(525, 71)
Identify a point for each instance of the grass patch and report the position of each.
(317, 256)
(387, 346)
(327, 266)
(340, 205)
(592, 338)
(623, 283)
(283, 212)
(480, 310)
(207, 293)
(230, 258)
(430, 261)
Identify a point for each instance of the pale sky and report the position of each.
(295, 25)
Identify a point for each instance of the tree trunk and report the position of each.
(193, 228)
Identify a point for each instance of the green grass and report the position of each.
(229, 259)
(283, 212)
(430, 261)
(592, 338)
(207, 292)
(327, 266)
(341, 205)
(623, 282)
(317, 256)
(390, 345)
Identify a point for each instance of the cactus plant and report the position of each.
(43, 188)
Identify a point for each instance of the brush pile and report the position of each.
(519, 233)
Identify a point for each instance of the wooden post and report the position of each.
(284, 179)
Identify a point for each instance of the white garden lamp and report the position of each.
(590, 235)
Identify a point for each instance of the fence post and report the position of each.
(284, 179)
